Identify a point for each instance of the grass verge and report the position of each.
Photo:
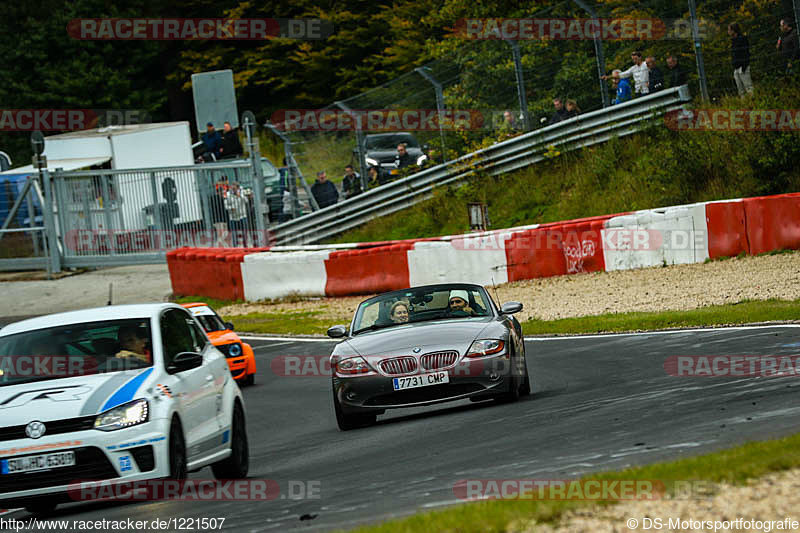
(735, 466)
(745, 312)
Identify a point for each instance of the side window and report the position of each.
(199, 337)
(176, 335)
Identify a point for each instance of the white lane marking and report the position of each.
(287, 339)
(271, 345)
(664, 332)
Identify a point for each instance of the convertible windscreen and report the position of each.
(75, 350)
(419, 305)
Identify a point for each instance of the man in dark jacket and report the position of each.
(324, 191)
(403, 158)
(560, 113)
(677, 76)
(212, 140)
(740, 57)
(351, 184)
(655, 76)
(231, 147)
(787, 45)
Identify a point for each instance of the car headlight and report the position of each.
(421, 158)
(124, 416)
(370, 161)
(235, 349)
(353, 366)
(484, 347)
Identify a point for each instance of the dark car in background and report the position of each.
(380, 150)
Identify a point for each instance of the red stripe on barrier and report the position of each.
(367, 271)
(773, 222)
(727, 229)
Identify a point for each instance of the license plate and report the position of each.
(37, 462)
(421, 380)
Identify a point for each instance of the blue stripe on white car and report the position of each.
(126, 393)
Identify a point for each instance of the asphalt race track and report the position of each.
(602, 402)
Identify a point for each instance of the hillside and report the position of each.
(657, 167)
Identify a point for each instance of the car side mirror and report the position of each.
(509, 308)
(229, 325)
(185, 361)
(336, 332)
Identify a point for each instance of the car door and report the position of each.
(191, 387)
(217, 374)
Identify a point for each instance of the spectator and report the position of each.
(787, 45)
(638, 72)
(740, 57)
(560, 113)
(216, 204)
(324, 191)
(351, 184)
(655, 78)
(677, 76)
(403, 158)
(376, 177)
(572, 109)
(231, 147)
(212, 141)
(288, 211)
(622, 86)
(236, 206)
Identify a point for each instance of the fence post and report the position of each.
(598, 51)
(50, 225)
(258, 177)
(523, 98)
(439, 104)
(698, 51)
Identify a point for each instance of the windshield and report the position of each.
(75, 350)
(207, 318)
(390, 142)
(421, 304)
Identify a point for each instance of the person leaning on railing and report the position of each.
(639, 72)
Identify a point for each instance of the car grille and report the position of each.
(54, 427)
(398, 366)
(91, 464)
(437, 360)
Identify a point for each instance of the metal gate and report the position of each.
(27, 236)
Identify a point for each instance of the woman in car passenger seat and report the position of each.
(132, 345)
(399, 312)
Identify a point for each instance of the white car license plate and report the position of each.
(37, 462)
(421, 380)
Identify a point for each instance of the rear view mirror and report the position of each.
(185, 361)
(229, 325)
(336, 332)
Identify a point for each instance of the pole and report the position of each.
(698, 51)
(523, 98)
(439, 104)
(258, 174)
(362, 165)
(598, 52)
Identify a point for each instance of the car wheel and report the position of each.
(347, 422)
(512, 395)
(177, 451)
(249, 381)
(41, 507)
(238, 463)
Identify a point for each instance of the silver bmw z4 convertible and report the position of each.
(425, 345)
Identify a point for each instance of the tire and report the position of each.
(249, 381)
(347, 422)
(177, 451)
(237, 464)
(512, 395)
(41, 507)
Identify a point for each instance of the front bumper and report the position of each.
(133, 454)
(469, 378)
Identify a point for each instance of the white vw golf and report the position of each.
(114, 394)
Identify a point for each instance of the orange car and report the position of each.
(241, 361)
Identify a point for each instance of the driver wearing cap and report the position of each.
(459, 303)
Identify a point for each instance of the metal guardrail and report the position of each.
(521, 151)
